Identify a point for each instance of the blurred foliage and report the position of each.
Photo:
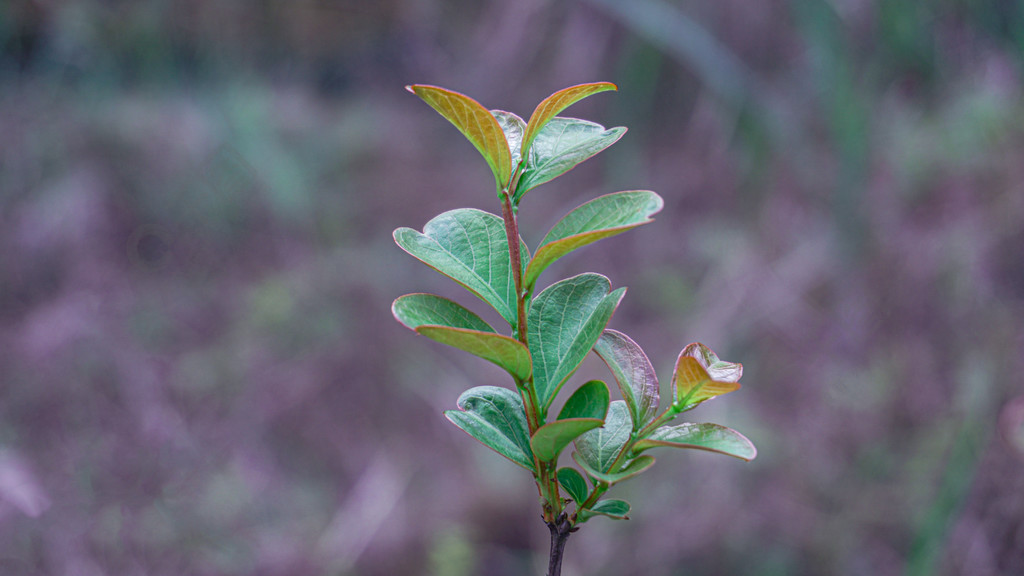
(199, 370)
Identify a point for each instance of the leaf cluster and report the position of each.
(552, 332)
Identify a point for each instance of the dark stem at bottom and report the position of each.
(560, 530)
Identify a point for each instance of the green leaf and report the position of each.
(475, 122)
(552, 105)
(633, 373)
(600, 218)
(612, 508)
(470, 247)
(588, 401)
(700, 376)
(638, 465)
(564, 322)
(597, 449)
(513, 127)
(496, 418)
(549, 440)
(415, 310)
(710, 437)
(574, 484)
(717, 369)
(584, 410)
(506, 352)
(445, 321)
(560, 146)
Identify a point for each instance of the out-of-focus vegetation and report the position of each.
(199, 373)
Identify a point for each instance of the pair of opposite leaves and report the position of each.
(536, 151)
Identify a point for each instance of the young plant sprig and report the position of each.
(554, 330)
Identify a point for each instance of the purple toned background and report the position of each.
(200, 374)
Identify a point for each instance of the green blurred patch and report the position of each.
(289, 310)
(452, 553)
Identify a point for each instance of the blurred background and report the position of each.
(200, 374)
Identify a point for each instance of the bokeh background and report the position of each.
(199, 372)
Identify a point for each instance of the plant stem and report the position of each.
(667, 416)
(512, 233)
(599, 490)
(526, 390)
(560, 530)
(552, 497)
(547, 479)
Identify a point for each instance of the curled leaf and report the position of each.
(700, 376)
(717, 369)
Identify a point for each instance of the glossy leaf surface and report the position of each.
(633, 373)
(506, 352)
(692, 381)
(415, 310)
(549, 440)
(602, 217)
(710, 437)
(638, 465)
(552, 105)
(588, 401)
(449, 323)
(496, 418)
(470, 247)
(514, 129)
(612, 508)
(597, 449)
(573, 483)
(564, 322)
(475, 122)
(717, 369)
(584, 410)
(560, 146)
